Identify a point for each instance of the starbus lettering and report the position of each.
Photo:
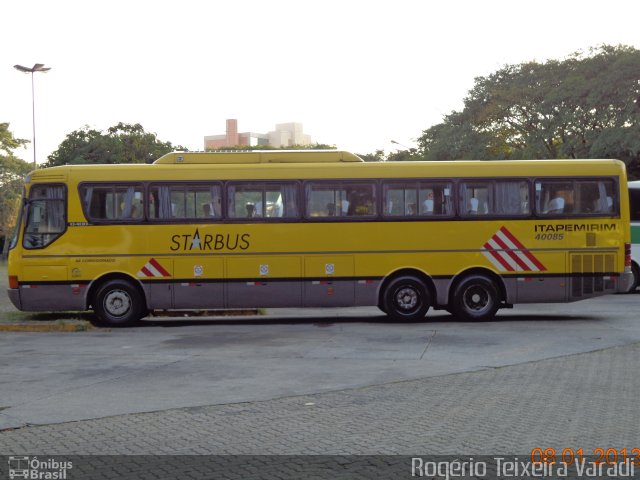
(568, 227)
(207, 241)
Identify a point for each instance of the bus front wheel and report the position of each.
(118, 304)
(406, 299)
(476, 298)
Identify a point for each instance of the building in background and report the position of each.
(285, 135)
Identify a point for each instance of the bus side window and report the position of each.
(268, 200)
(511, 197)
(554, 197)
(606, 197)
(476, 199)
(424, 199)
(399, 199)
(588, 198)
(360, 200)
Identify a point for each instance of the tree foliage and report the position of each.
(586, 106)
(8, 143)
(373, 157)
(12, 172)
(122, 143)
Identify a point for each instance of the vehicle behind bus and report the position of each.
(634, 208)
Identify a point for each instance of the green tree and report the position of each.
(373, 157)
(403, 156)
(586, 106)
(122, 143)
(12, 172)
(395, 156)
(8, 143)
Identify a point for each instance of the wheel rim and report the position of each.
(477, 299)
(406, 299)
(117, 303)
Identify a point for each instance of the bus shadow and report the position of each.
(321, 321)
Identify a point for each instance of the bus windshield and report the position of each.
(46, 216)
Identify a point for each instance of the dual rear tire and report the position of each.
(475, 298)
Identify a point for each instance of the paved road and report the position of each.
(580, 401)
(540, 376)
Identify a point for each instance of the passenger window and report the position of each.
(511, 197)
(475, 199)
(580, 197)
(107, 203)
(262, 200)
(595, 197)
(554, 197)
(412, 199)
(185, 201)
(340, 200)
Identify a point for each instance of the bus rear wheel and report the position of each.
(406, 299)
(118, 303)
(476, 298)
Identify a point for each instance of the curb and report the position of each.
(44, 328)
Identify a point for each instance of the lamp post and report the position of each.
(398, 143)
(38, 67)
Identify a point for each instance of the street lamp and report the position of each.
(38, 67)
(398, 143)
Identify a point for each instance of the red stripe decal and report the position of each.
(159, 267)
(511, 253)
(510, 236)
(528, 254)
(498, 257)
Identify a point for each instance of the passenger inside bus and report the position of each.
(251, 210)
(474, 203)
(556, 205)
(207, 211)
(603, 205)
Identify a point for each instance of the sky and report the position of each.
(356, 73)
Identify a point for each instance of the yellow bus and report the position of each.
(319, 229)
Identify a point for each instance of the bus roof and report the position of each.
(260, 156)
(303, 166)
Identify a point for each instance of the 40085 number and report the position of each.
(550, 236)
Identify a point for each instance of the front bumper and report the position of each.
(14, 296)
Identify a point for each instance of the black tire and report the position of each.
(476, 298)
(118, 303)
(636, 277)
(406, 299)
